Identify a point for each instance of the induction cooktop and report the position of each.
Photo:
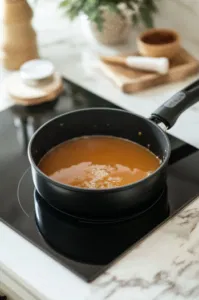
(85, 247)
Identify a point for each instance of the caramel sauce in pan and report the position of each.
(98, 162)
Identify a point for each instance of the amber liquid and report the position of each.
(98, 162)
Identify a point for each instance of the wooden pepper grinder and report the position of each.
(19, 38)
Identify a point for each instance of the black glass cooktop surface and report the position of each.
(85, 247)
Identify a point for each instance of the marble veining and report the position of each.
(164, 266)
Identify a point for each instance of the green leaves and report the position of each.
(142, 10)
(146, 17)
(64, 3)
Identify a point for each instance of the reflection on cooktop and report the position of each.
(96, 242)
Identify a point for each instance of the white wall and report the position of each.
(182, 15)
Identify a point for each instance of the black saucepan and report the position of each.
(114, 202)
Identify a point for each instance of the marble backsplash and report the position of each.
(181, 15)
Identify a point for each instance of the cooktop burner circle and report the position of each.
(23, 193)
(27, 205)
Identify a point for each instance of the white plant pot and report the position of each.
(116, 28)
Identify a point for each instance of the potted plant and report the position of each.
(111, 20)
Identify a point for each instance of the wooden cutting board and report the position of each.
(130, 80)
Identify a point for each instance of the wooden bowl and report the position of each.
(159, 43)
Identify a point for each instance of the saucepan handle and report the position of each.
(169, 112)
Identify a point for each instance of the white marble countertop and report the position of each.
(163, 266)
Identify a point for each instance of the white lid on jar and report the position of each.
(36, 70)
